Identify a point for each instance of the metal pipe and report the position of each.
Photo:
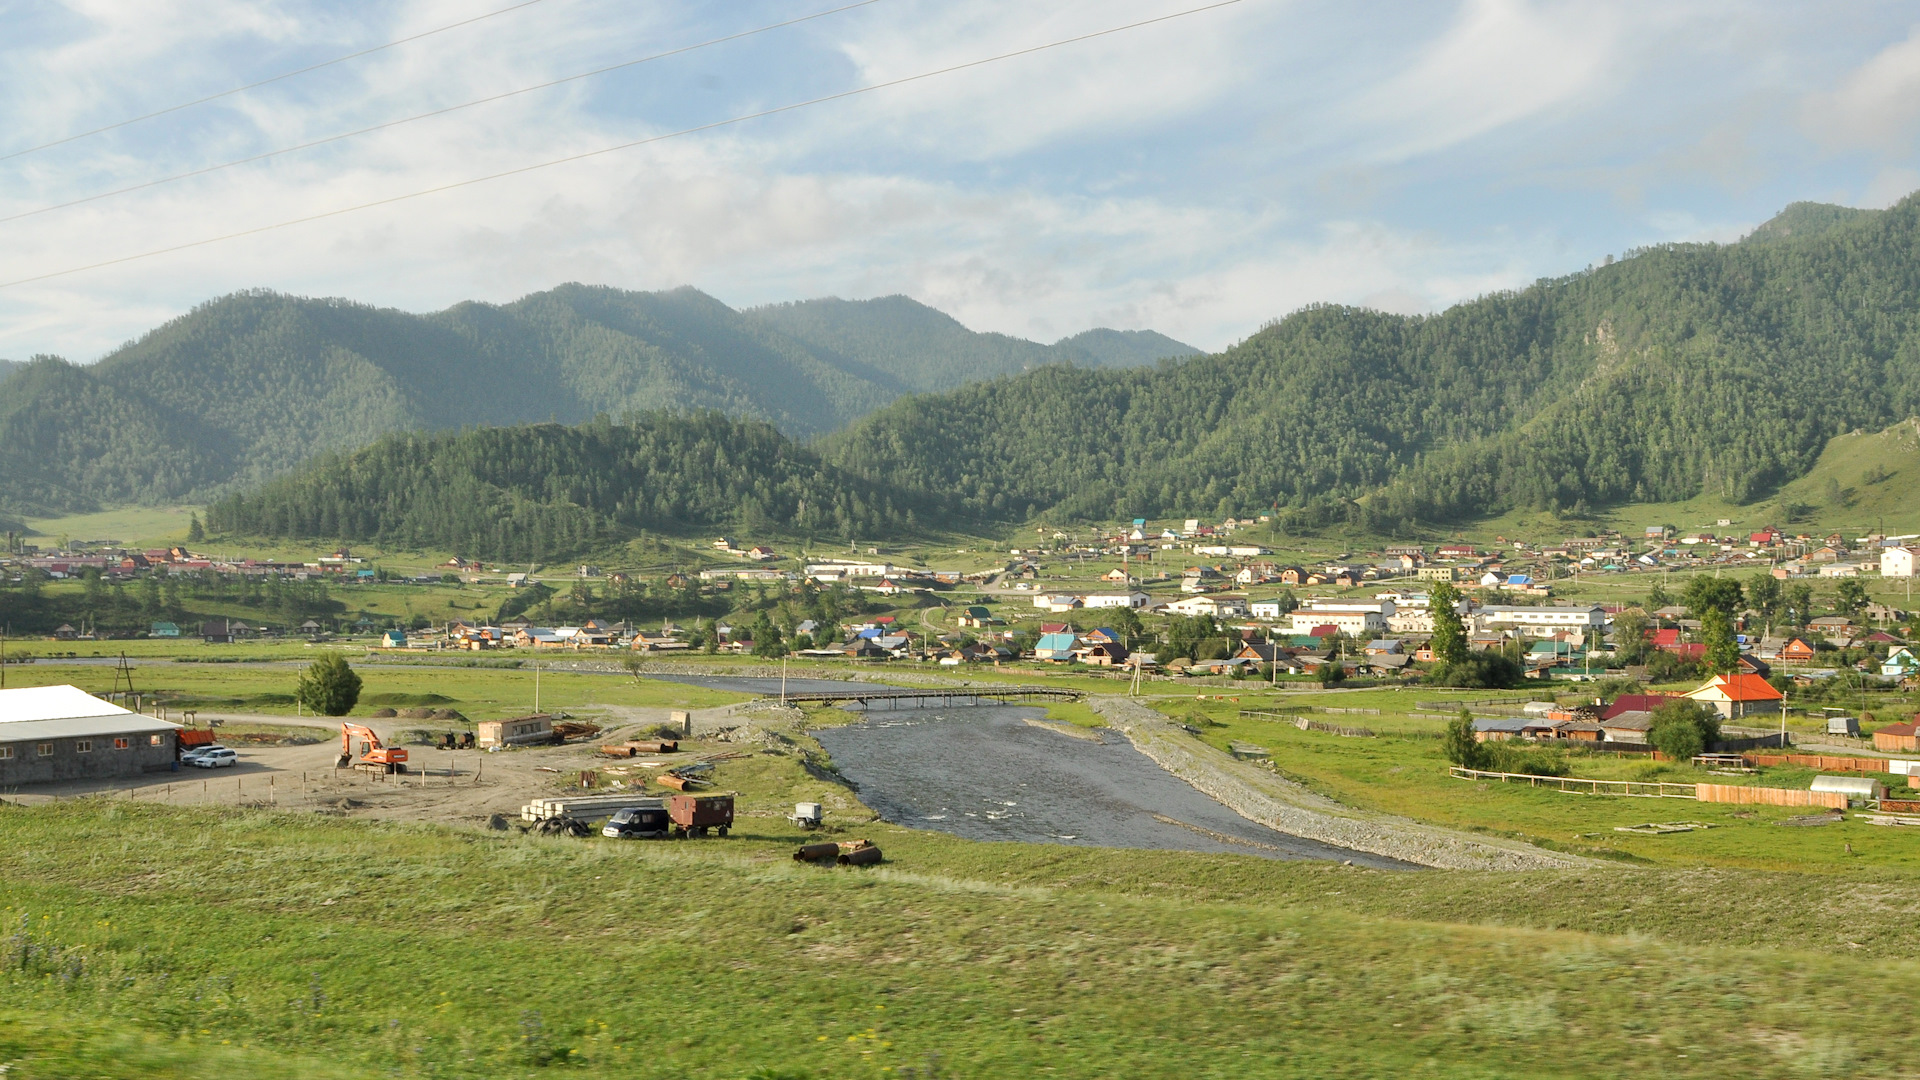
(860, 856)
(829, 852)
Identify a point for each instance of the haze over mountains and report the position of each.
(250, 385)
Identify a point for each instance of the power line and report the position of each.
(569, 159)
(145, 184)
(263, 82)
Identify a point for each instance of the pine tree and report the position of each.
(1449, 633)
(195, 533)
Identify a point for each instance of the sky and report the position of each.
(1198, 176)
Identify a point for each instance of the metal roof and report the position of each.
(52, 703)
(83, 727)
(68, 712)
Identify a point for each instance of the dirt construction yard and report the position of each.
(458, 787)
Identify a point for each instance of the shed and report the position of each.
(1855, 788)
(518, 731)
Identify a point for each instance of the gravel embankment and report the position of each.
(1257, 795)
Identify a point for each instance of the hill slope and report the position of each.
(1680, 369)
(246, 387)
(545, 490)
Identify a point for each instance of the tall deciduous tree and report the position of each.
(1449, 633)
(330, 687)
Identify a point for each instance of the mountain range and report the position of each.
(249, 386)
(1679, 370)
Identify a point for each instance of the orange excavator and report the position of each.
(373, 755)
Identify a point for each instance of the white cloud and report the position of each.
(1503, 61)
(1877, 106)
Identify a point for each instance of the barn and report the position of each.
(58, 733)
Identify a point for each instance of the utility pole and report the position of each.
(536, 686)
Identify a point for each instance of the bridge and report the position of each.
(972, 695)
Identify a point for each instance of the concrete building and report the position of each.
(1359, 619)
(56, 733)
(1540, 621)
(1896, 562)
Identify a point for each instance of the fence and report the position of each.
(1769, 796)
(1823, 763)
(1573, 785)
(1476, 703)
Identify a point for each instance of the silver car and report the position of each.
(218, 757)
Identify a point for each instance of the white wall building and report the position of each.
(1130, 599)
(1357, 619)
(1540, 621)
(1220, 607)
(1896, 562)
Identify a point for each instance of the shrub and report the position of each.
(1460, 746)
(1479, 671)
(1515, 757)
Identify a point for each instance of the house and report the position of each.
(976, 616)
(1734, 696)
(1132, 598)
(1627, 703)
(1220, 607)
(1627, 726)
(1058, 646)
(1897, 738)
(1796, 651)
(1896, 562)
(393, 639)
(1265, 609)
(1900, 664)
(1497, 728)
(60, 733)
(1438, 573)
(1104, 654)
(163, 629)
(1118, 575)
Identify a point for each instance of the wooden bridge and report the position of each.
(972, 695)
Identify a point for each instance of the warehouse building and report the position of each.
(57, 733)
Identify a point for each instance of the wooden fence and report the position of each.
(1769, 796)
(1822, 763)
(1573, 785)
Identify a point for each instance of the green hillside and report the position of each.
(248, 386)
(539, 491)
(1680, 371)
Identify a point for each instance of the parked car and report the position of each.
(646, 819)
(192, 752)
(217, 758)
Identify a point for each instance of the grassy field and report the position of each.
(478, 693)
(155, 942)
(139, 940)
(1401, 770)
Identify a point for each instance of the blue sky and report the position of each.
(1199, 176)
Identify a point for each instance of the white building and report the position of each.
(836, 571)
(1265, 609)
(1243, 551)
(1356, 619)
(1540, 621)
(1896, 562)
(1220, 607)
(1131, 599)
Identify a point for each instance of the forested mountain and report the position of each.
(8, 367)
(245, 387)
(547, 490)
(908, 342)
(1681, 368)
